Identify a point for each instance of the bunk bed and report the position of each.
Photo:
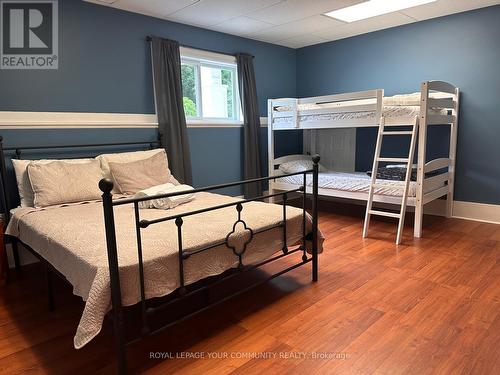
(437, 104)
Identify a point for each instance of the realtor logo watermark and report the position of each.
(29, 35)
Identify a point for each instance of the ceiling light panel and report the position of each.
(373, 8)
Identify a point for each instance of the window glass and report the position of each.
(210, 90)
(189, 90)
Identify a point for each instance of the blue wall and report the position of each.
(463, 49)
(105, 67)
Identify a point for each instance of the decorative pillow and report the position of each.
(299, 166)
(129, 178)
(61, 182)
(126, 157)
(23, 181)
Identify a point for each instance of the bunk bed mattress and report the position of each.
(387, 112)
(353, 182)
(72, 239)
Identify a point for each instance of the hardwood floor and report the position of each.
(429, 306)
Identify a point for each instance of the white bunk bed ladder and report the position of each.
(383, 131)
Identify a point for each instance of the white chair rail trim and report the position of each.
(74, 120)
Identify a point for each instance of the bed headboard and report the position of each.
(9, 198)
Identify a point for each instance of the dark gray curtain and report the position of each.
(251, 128)
(169, 107)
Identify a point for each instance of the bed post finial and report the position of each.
(316, 158)
(106, 185)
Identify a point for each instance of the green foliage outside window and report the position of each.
(188, 78)
(189, 90)
(227, 79)
(189, 107)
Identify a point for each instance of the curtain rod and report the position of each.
(149, 38)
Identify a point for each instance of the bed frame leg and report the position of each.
(106, 187)
(316, 159)
(50, 288)
(15, 253)
(121, 357)
(449, 204)
(271, 191)
(419, 216)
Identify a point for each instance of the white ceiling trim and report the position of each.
(291, 23)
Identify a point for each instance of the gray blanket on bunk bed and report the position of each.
(398, 173)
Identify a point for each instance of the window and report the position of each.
(209, 87)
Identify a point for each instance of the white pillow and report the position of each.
(412, 99)
(23, 181)
(403, 100)
(298, 166)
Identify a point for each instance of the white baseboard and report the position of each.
(486, 213)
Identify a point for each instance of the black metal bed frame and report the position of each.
(184, 291)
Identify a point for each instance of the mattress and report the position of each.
(387, 112)
(353, 182)
(72, 239)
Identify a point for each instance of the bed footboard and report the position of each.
(106, 186)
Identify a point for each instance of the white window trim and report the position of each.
(208, 56)
(216, 123)
(201, 57)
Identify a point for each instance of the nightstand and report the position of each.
(4, 264)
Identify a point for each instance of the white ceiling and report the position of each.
(291, 23)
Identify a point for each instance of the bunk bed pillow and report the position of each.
(411, 100)
(299, 166)
(403, 100)
(60, 182)
(23, 181)
(134, 176)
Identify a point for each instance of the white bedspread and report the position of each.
(72, 239)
